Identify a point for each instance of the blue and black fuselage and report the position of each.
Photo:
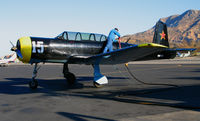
(62, 48)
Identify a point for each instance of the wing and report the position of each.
(123, 55)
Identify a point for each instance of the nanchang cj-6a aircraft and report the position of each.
(87, 48)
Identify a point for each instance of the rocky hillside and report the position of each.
(183, 31)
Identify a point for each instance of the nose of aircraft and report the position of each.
(17, 49)
(23, 49)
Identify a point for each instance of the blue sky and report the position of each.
(48, 18)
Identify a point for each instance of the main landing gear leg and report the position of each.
(70, 77)
(33, 84)
(99, 79)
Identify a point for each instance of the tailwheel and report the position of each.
(33, 84)
(70, 77)
(97, 85)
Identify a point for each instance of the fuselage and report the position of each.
(59, 50)
(55, 50)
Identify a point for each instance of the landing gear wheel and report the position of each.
(33, 84)
(97, 85)
(71, 78)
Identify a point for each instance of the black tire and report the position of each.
(33, 84)
(71, 78)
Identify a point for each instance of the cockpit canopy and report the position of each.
(80, 36)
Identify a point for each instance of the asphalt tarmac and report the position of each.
(122, 99)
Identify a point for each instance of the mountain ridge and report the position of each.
(183, 31)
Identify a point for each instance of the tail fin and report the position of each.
(160, 34)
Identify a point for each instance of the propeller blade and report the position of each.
(14, 48)
(11, 43)
(19, 54)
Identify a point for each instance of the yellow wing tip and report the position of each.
(152, 45)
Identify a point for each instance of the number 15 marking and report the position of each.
(38, 47)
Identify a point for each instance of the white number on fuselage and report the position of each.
(38, 47)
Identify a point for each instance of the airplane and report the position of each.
(185, 52)
(7, 59)
(87, 48)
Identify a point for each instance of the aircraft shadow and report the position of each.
(20, 85)
(197, 70)
(185, 96)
